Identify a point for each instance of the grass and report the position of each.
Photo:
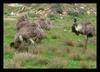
(61, 48)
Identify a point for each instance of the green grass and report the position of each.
(51, 52)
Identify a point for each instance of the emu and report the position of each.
(85, 28)
(23, 34)
(39, 33)
(27, 33)
(44, 23)
(24, 21)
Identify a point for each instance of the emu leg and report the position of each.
(21, 38)
(31, 40)
(85, 45)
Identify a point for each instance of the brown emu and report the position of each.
(39, 33)
(26, 31)
(24, 21)
(85, 28)
(44, 23)
(23, 34)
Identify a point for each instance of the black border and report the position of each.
(1, 34)
(44, 1)
(50, 1)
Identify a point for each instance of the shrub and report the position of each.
(52, 17)
(77, 12)
(57, 8)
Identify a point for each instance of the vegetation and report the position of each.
(61, 48)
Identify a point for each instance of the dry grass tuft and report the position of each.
(52, 49)
(19, 58)
(8, 49)
(62, 51)
(80, 45)
(75, 56)
(42, 60)
(57, 63)
(37, 50)
(59, 51)
(11, 64)
(84, 64)
(69, 43)
(54, 37)
(23, 56)
(90, 54)
(92, 41)
(66, 50)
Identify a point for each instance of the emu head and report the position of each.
(15, 44)
(25, 17)
(74, 29)
(22, 18)
(74, 26)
